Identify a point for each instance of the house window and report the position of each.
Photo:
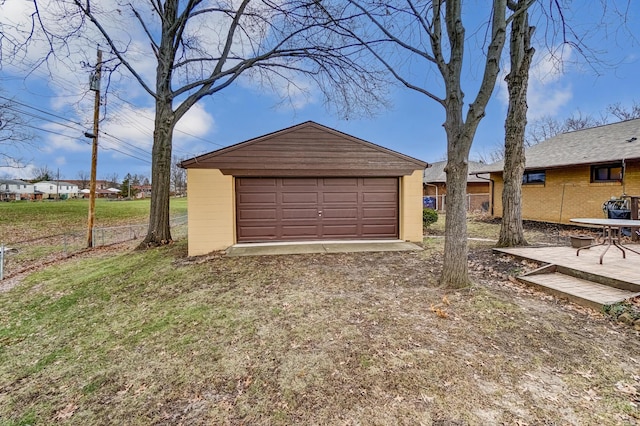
(606, 172)
(534, 177)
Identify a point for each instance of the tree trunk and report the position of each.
(159, 232)
(511, 230)
(455, 273)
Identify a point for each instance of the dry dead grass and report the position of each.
(347, 339)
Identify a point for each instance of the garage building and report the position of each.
(304, 183)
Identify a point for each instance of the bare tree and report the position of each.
(43, 173)
(14, 135)
(202, 47)
(84, 178)
(433, 32)
(520, 55)
(548, 127)
(178, 177)
(623, 113)
(112, 179)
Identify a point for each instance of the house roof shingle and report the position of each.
(436, 173)
(603, 144)
(14, 182)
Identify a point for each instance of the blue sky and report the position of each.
(57, 100)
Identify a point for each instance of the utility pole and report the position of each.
(95, 86)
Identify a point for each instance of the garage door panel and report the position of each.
(380, 182)
(297, 214)
(257, 214)
(296, 182)
(379, 213)
(300, 198)
(347, 182)
(257, 198)
(316, 208)
(379, 230)
(299, 231)
(340, 231)
(340, 213)
(339, 197)
(380, 197)
(262, 232)
(257, 182)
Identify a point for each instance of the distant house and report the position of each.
(57, 190)
(435, 187)
(100, 193)
(142, 191)
(14, 189)
(571, 175)
(84, 183)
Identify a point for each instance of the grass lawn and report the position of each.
(156, 337)
(25, 220)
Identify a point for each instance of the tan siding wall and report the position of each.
(411, 207)
(211, 211)
(568, 193)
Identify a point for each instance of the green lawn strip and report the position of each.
(24, 220)
(79, 325)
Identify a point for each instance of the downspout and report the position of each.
(624, 172)
(436, 186)
(491, 185)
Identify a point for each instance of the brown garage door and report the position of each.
(289, 209)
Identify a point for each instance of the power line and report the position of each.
(43, 118)
(50, 131)
(40, 110)
(136, 124)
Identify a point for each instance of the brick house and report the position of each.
(573, 174)
(435, 186)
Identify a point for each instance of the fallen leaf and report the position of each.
(592, 395)
(626, 388)
(427, 398)
(585, 374)
(66, 412)
(125, 390)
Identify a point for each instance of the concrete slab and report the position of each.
(307, 247)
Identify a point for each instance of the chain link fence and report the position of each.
(24, 255)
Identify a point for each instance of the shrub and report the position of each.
(429, 216)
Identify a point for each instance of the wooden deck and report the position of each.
(582, 279)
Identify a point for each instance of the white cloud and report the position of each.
(18, 170)
(130, 129)
(549, 91)
(196, 121)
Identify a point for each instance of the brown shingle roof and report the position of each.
(307, 149)
(603, 144)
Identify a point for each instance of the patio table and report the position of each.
(610, 229)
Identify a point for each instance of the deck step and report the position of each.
(578, 290)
